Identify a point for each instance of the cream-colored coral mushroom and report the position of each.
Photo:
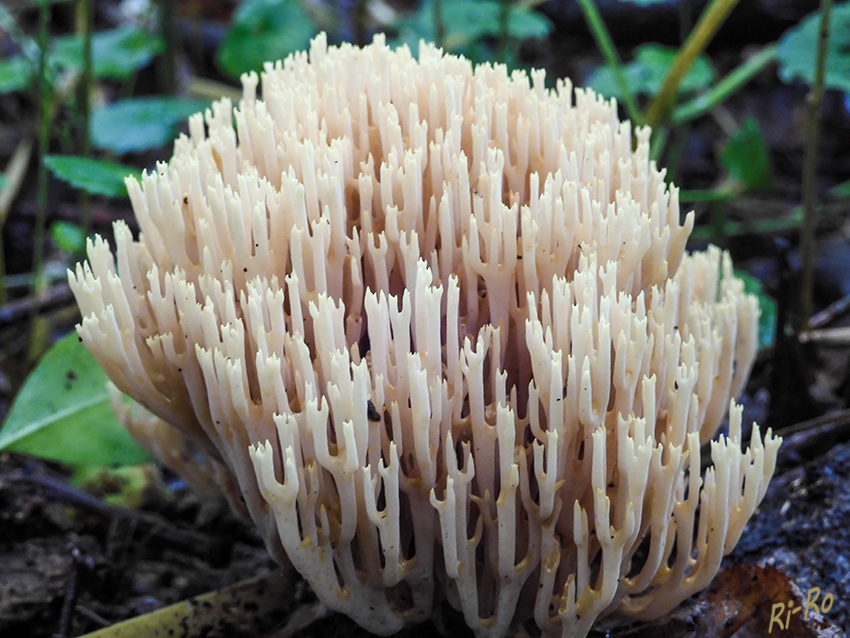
(438, 324)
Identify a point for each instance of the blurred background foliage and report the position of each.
(94, 90)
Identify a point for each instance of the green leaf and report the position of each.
(468, 22)
(140, 124)
(15, 74)
(98, 177)
(646, 73)
(798, 49)
(525, 23)
(3, 181)
(767, 307)
(116, 53)
(746, 157)
(63, 413)
(264, 31)
(68, 237)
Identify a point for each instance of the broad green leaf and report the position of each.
(767, 307)
(467, 22)
(839, 191)
(646, 73)
(63, 412)
(140, 124)
(746, 157)
(15, 74)
(526, 23)
(798, 49)
(98, 177)
(3, 181)
(116, 53)
(264, 31)
(68, 237)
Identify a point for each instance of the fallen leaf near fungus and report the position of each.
(434, 327)
(738, 604)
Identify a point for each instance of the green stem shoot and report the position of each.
(810, 169)
(736, 79)
(708, 25)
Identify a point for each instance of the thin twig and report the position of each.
(92, 616)
(146, 524)
(832, 312)
(827, 336)
(70, 601)
(810, 169)
(815, 436)
(17, 311)
(832, 419)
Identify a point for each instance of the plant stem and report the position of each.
(810, 169)
(85, 15)
(504, 22)
(37, 327)
(168, 61)
(612, 59)
(439, 27)
(709, 23)
(724, 88)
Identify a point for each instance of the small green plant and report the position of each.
(139, 124)
(482, 31)
(264, 30)
(63, 412)
(798, 48)
(645, 74)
